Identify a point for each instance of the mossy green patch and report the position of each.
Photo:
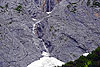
(88, 2)
(92, 60)
(6, 5)
(19, 8)
(1, 7)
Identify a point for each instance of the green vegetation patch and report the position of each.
(1, 7)
(6, 5)
(73, 10)
(88, 2)
(92, 60)
(4, 8)
(95, 4)
(51, 27)
(10, 22)
(19, 8)
(72, 7)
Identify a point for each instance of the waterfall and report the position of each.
(46, 49)
(46, 52)
(46, 60)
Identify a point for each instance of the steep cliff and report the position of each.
(26, 30)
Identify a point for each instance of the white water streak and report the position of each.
(34, 31)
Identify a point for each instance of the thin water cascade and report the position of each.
(34, 32)
(46, 60)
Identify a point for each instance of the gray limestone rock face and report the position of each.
(18, 45)
(71, 29)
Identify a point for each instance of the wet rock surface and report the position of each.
(71, 29)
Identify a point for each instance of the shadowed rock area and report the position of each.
(71, 29)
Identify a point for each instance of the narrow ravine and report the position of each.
(34, 32)
(46, 60)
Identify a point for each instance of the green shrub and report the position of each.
(6, 5)
(1, 7)
(19, 8)
(92, 60)
(96, 4)
(88, 2)
(69, 64)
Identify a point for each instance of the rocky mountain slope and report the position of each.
(71, 29)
